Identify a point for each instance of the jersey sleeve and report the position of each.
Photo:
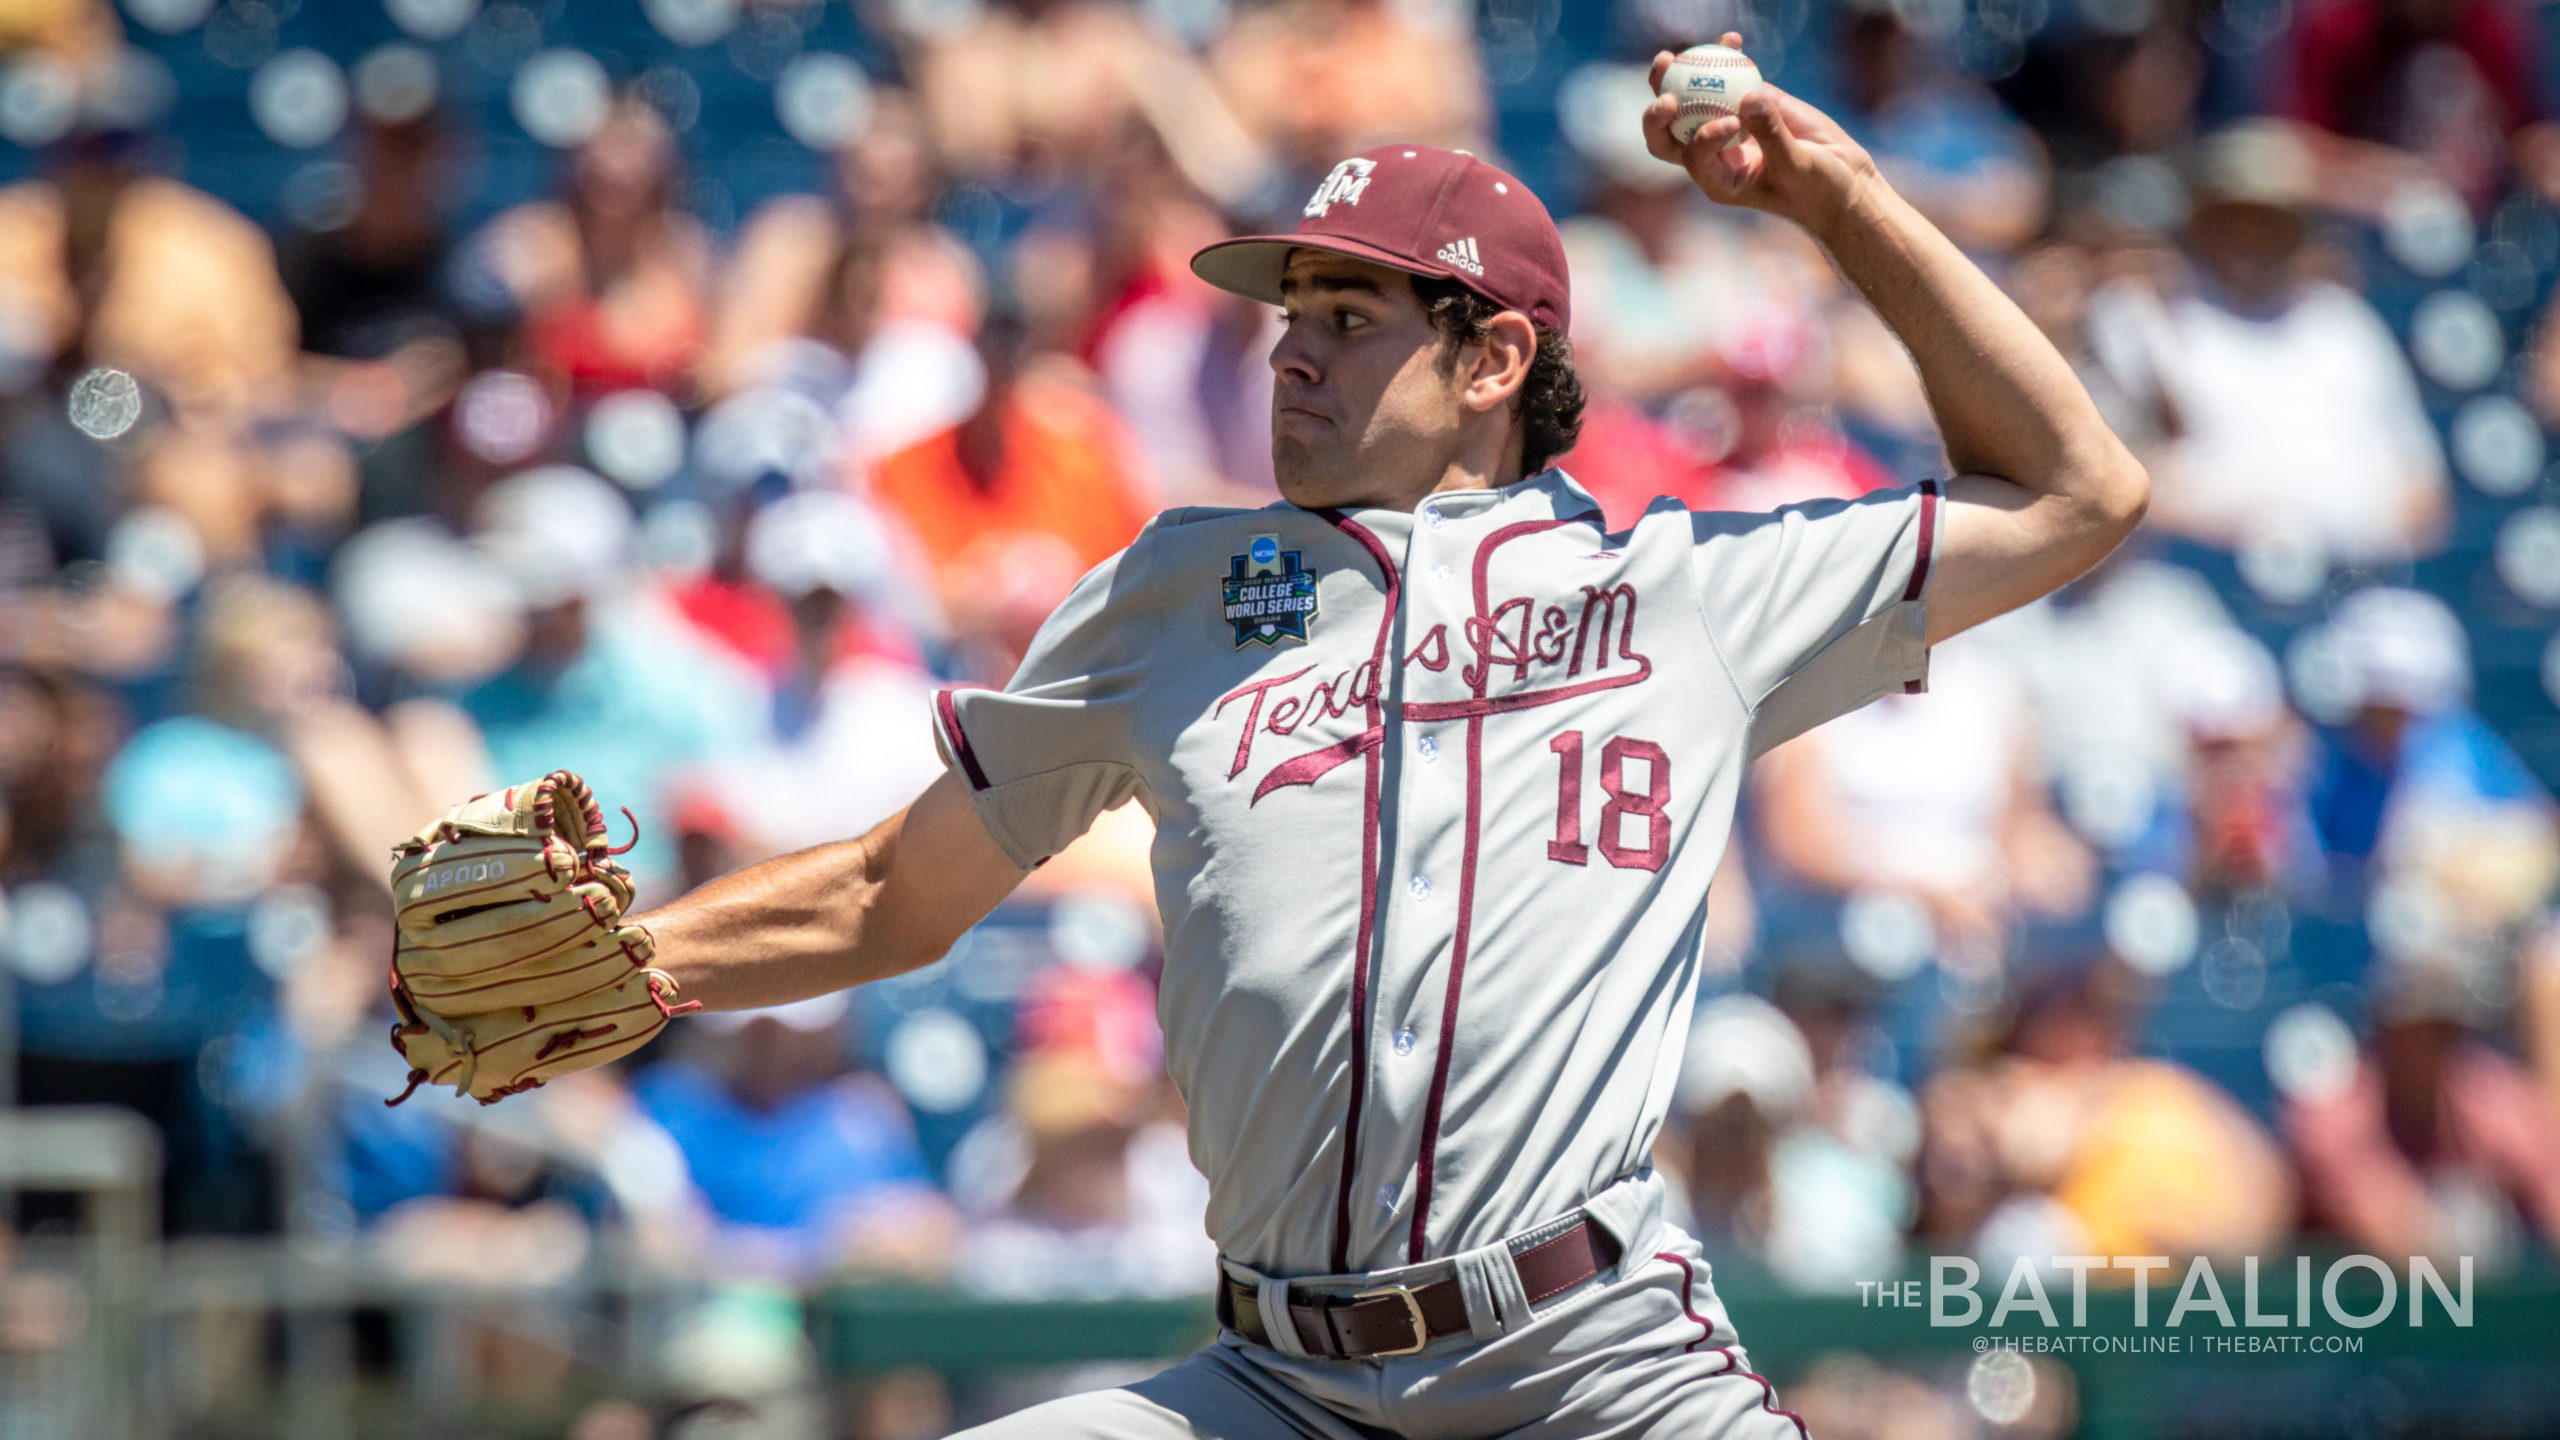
(1050, 751)
(1818, 608)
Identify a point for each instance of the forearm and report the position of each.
(2005, 400)
(838, 915)
(785, 929)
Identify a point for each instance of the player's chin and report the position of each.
(1303, 472)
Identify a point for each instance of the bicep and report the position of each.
(2002, 545)
(945, 872)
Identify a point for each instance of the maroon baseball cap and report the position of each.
(1415, 208)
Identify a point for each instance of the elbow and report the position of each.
(2117, 492)
(2129, 489)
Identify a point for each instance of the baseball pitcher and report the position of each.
(1439, 767)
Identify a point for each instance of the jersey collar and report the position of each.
(1550, 494)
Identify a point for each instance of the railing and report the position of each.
(271, 1338)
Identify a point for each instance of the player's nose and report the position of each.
(1291, 360)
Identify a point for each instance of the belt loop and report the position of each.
(1490, 1284)
(1271, 1296)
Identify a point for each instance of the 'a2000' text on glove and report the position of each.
(514, 962)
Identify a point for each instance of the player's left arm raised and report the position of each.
(2043, 489)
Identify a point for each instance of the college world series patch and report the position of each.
(1268, 596)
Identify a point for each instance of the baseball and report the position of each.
(1710, 80)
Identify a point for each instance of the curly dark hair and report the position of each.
(1551, 399)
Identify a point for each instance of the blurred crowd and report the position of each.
(399, 400)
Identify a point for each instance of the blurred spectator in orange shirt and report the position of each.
(2057, 1141)
(1041, 458)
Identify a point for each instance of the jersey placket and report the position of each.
(1428, 874)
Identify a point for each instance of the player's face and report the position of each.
(1362, 412)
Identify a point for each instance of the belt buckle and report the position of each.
(1412, 1307)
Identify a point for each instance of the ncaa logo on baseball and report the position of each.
(462, 872)
(1342, 187)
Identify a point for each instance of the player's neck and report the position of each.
(1488, 469)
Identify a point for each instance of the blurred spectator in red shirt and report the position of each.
(2426, 89)
(2430, 1141)
(611, 277)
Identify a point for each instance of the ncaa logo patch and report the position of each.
(1267, 595)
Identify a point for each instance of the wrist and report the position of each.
(1863, 205)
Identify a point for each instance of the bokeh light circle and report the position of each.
(2498, 445)
(396, 84)
(299, 99)
(38, 101)
(2428, 229)
(2528, 555)
(636, 437)
(2456, 340)
(823, 100)
(561, 96)
(2310, 1053)
(104, 403)
(2151, 924)
(937, 1060)
(432, 19)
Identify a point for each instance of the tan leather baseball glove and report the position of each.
(514, 962)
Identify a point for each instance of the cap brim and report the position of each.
(1252, 265)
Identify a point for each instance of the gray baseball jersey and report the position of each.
(1437, 797)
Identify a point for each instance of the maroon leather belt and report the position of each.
(1401, 1319)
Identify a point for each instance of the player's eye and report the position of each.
(1348, 320)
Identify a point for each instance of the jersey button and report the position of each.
(1431, 517)
(1386, 1197)
(1440, 573)
(1420, 885)
(1428, 747)
(1404, 1041)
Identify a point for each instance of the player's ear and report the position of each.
(1501, 362)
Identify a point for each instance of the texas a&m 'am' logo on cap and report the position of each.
(1343, 186)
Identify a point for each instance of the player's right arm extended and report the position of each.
(840, 914)
(2044, 489)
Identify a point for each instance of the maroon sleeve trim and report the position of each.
(1928, 538)
(949, 715)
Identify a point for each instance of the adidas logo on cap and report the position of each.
(1462, 254)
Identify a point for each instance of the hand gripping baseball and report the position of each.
(1791, 160)
(512, 962)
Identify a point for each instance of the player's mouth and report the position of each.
(1284, 414)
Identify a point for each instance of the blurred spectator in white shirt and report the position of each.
(2103, 661)
(1784, 1149)
(848, 742)
(2288, 410)
(1937, 798)
(1083, 1184)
